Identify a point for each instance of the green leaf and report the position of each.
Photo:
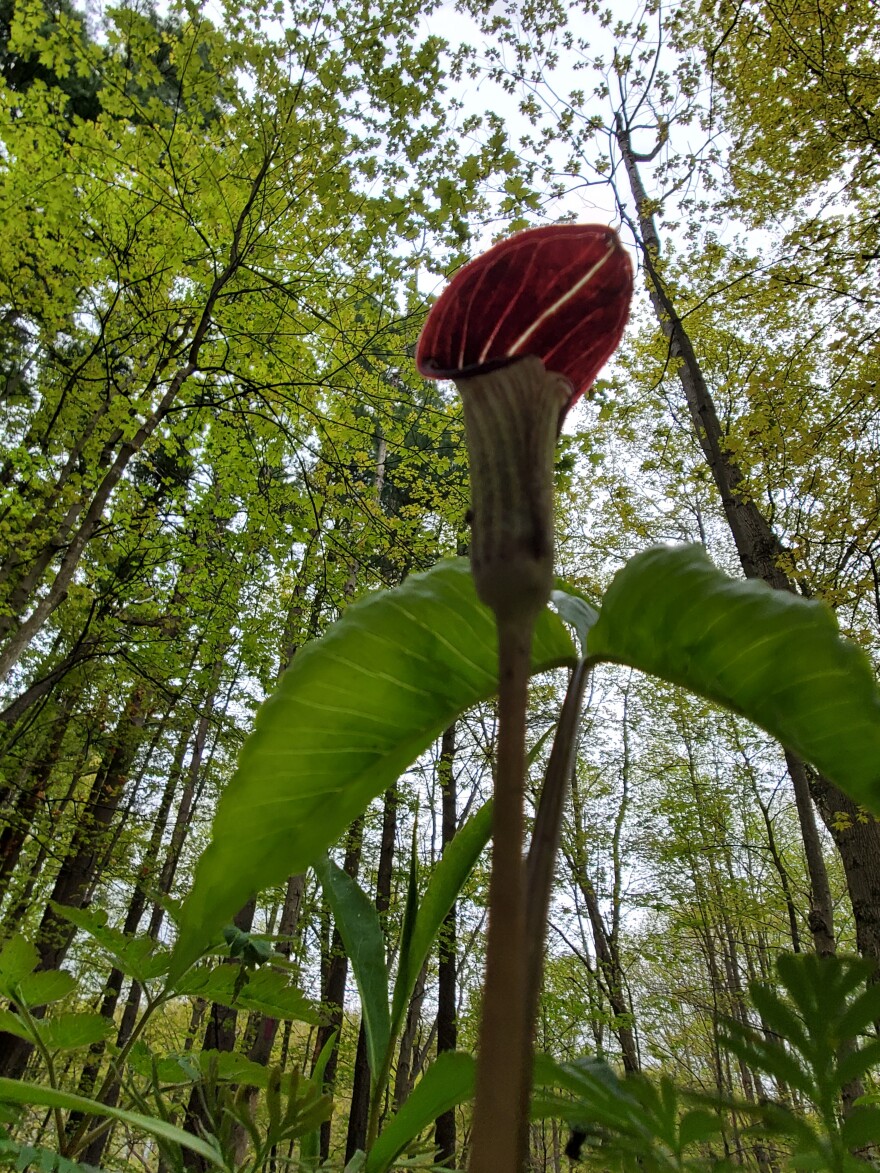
(447, 1082)
(353, 711)
(15, 1091)
(265, 991)
(861, 1127)
(602, 1102)
(18, 958)
(447, 878)
(310, 1144)
(778, 1015)
(26, 1156)
(230, 1066)
(21, 982)
(405, 979)
(69, 1032)
(324, 1058)
(576, 611)
(49, 985)
(14, 1024)
(173, 1068)
(767, 1056)
(698, 1126)
(137, 957)
(858, 1062)
(246, 947)
(774, 657)
(533, 753)
(861, 1014)
(358, 923)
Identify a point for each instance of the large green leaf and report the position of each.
(774, 657)
(137, 957)
(447, 1082)
(353, 711)
(15, 1091)
(447, 878)
(358, 924)
(266, 991)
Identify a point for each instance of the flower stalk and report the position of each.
(512, 417)
(523, 331)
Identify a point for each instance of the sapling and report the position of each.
(523, 331)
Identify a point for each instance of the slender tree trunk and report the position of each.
(447, 992)
(188, 800)
(760, 554)
(404, 1078)
(20, 905)
(821, 919)
(360, 1091)
(781, 869)
(335, 975)
(609, 967)
(266, 1028)
(77, 870)
(136, 907)
(33, 791)
(855, 832)
(219, 1036)
(86, 648)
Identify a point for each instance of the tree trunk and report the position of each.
(201, 1114)
(447, 994)
(358, 1116)
(405, 1075)
(335, 976)
(855, 833)
(759, 553)
(77, 870)
(33, 791)
(136, 907)
(609, 967)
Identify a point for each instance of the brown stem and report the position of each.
(511, 420)
(500, 1131)
(541, 864)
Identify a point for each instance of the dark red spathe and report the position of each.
(561, 293)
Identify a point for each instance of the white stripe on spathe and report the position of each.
(587, 277)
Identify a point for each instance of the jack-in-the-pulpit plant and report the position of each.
(360, 704)
(523, 331)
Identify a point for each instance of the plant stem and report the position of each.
(511, 416)
(83, 1136)
(541, 864)
(500, 1133)
(46, 1055)
(377, 1093)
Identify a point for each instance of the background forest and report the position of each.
(221, 230)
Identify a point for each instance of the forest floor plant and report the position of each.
(523, 331)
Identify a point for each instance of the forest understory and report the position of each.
(252, 936)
